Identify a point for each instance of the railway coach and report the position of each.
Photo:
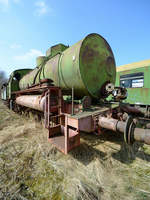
(135, 77)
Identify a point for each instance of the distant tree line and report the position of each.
(3, 78)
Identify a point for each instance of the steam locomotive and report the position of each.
(73, 89)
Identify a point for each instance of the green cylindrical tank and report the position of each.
(86, 66)
(40, 60)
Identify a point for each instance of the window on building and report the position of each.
(135, 80)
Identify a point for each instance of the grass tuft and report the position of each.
(101, 168)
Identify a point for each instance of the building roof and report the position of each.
(134, 65)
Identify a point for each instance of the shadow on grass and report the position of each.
(87, 152)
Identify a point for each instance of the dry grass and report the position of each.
(102, 168)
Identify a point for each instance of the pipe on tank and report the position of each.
(131, 133)
(36, 102)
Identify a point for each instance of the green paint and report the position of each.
(13, 82)
(54, 50)
(86, 66)
(40, 60)
(137, 95)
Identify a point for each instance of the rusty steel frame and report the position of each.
(64, 128)
(66, 140)
(40, 88)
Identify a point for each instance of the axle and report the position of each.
(131, 133)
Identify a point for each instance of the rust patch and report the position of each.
(147, 69)
(89, 54)
(125, 72)
(109, 65)
(95, 79)
(145, 91)
(108, 47)
(96, 45)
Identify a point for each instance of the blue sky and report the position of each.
(29, 27)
